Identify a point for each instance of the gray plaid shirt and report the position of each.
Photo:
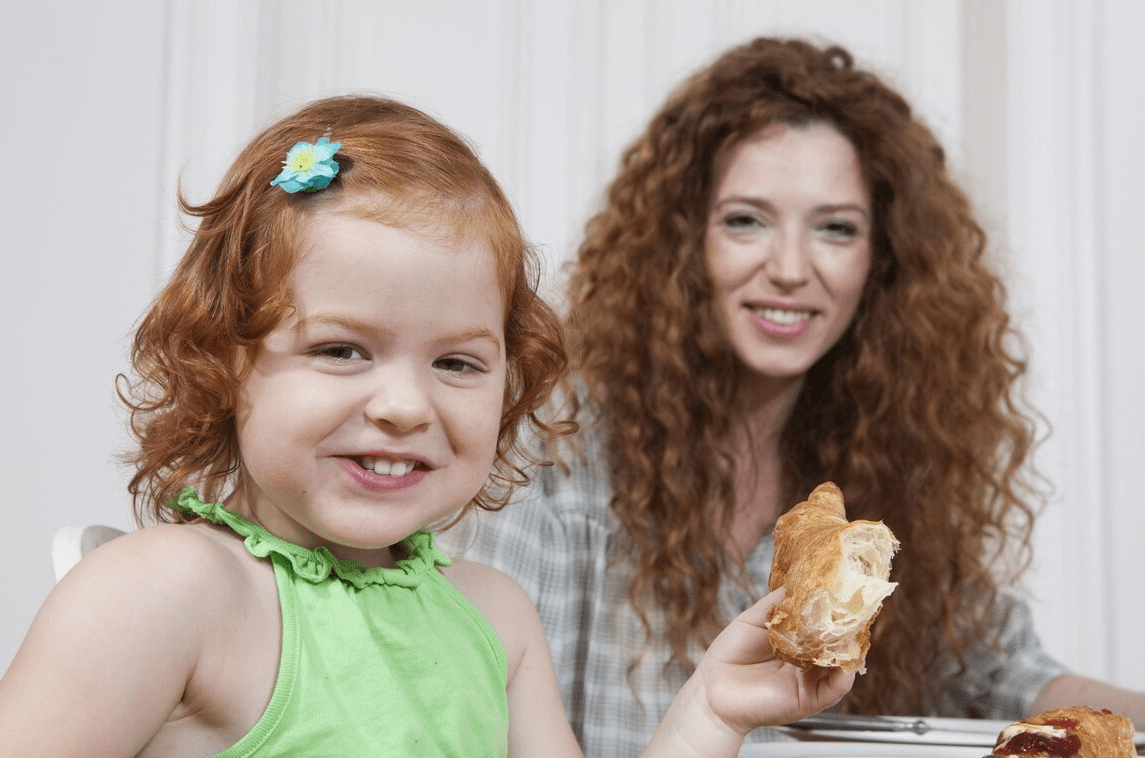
(561, 544)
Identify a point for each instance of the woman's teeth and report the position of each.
(387, 467)
(783, 316)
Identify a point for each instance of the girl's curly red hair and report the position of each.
(914, 413)
(398, 166)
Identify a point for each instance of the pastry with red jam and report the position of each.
(1075, 732)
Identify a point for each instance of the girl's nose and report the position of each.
(400, 401)
(788, 264)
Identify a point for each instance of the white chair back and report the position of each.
(71, 543)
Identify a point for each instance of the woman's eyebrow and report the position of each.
(765, 204)
(752, 200)
(840, 207)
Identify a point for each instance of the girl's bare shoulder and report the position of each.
(537, 723)
(132, 623)
(486, 587)
(153, 559)
(502, 601)
(170, 581)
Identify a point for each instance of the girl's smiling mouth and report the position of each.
(383, 473)
(387, 466)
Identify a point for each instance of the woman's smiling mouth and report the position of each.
(782, 316)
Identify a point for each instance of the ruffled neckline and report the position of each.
(319, 564)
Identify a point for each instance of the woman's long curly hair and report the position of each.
(914, 413)
(190, 353)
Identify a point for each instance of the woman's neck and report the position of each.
(765, 404)
(763, 407)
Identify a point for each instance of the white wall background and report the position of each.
(106, 106)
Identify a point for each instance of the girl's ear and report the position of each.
(242, 362)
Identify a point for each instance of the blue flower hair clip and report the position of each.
(309, 167)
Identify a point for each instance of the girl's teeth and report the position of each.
(386, 467)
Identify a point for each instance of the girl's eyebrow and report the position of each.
(356, 325)
(477, 333)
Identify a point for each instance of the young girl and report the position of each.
(350, 346)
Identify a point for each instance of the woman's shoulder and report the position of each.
(562, 513)
(560, 503)
(577, 479)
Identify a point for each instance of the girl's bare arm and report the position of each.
(739, 684)
(537, 721)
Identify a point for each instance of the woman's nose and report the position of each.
(399, 401)
(788, 264)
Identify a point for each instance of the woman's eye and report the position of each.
(842, 230)
(742, 220)
(344, 353)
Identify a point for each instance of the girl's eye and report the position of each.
(342, 353)
(455, 365)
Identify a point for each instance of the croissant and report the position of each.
(1077, 731)
(836, 574)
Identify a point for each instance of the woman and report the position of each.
(785, 287)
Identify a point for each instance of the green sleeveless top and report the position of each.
(375, 661)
